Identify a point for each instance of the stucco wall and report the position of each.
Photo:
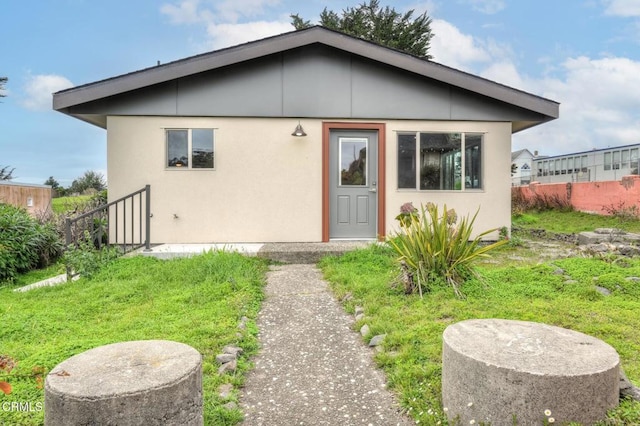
(591, 197)
(267, 184)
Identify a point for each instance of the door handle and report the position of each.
(373, 187)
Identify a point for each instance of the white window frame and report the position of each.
(189, 131)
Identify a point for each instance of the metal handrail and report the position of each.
(100, 221)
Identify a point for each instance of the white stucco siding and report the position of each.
(493, 200)
(266, 184)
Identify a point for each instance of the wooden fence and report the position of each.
(35, 199)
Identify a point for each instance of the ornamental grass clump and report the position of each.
(436, 247)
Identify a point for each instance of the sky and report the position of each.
(584, 54)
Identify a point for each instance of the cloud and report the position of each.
(626, 8)
(451, 47)
(597, 108)
(38, 90)
(222, 20)
(224, 35)
(488, 7)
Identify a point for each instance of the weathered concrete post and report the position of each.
(149, 382)
(496, 370)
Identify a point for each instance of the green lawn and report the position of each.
(414, 326)
(572, 222)
(66, 204)
(198, 301)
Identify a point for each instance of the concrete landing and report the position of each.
(298, 253)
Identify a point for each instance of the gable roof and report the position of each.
(516, 154)
(65, 100)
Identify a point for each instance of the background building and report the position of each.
(588, 166)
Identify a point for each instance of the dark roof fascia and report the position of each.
(292, 40)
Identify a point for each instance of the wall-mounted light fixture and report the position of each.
(299, 131)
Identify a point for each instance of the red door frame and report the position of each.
(326, 129)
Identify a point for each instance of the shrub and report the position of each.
(85, 259)
(539, 202)
(437, 248)
(25, 244)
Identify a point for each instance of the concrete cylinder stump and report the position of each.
(149, 382)
(495, 371)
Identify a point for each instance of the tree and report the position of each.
(3, 81)
(382, 26)
(514, 168)
(55, 186)
(5, 173)
(90, 180)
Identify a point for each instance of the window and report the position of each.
(439, 161)
(557, 169)
(564, 166)
(570, 165)
(616, 160)
(583, 161)
(190, 148)
(545, 168)
(625, 159)
(607, 161)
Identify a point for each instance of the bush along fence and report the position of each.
(607, 197)
(120, 226)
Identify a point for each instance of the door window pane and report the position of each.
(353, 161)
(202, 148)
(177, 148)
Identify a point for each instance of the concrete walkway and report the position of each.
(312, 369)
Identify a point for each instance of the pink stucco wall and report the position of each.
(592, 197)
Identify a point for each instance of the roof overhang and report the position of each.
(64, 100)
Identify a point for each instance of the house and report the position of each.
(596, 165)
(374, 128)
(521, 165)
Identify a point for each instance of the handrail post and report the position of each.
(67, 238)
(147, 244)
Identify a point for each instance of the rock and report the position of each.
(230, 405)
(603, 291)
(359, 317)
(233, 350)
(633, 279)
(225, 358)
(229, 366)
(629, 250)
(377, 340)
(570, 281)
(609, 231)
(627, 390)
(243, 323)
(359, 310)
(225, 390)
(347, 297)
(558, 271)
(364, 330)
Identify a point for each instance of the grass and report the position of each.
(572, 222)
(197, 301)
(66, 204)
(413, 346)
